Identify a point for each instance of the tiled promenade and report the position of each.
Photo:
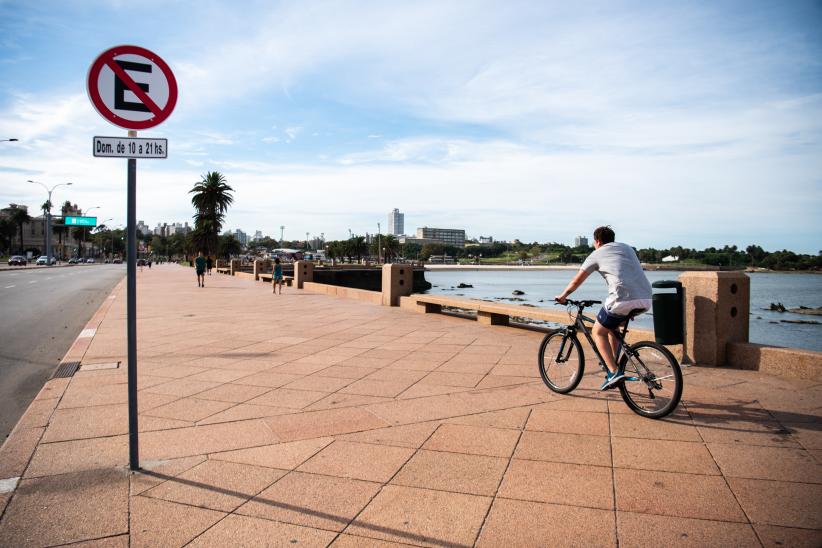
(308, 420)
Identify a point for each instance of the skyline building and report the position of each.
(580, 241)
(448, 236)
(396, 222)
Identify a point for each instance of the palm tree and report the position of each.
(20, 216)
(358, 247)
(60, 230)
(212, 196)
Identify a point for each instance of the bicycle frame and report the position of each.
(579, 326)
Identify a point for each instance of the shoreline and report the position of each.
(649, 267)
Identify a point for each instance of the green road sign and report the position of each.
(80, 221)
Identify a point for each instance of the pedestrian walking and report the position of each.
(277, 278)
(200, 264)
(209, 264)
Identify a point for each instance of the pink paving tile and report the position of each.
(328, 422)
(285, 456)
(681, 495)
(284, 397)
(456, 472)
(156, 522)
(570, 448)
(217, 485)
(346, 372)
(677, 426)
(235, 393)
(319, 383)
(759, 462)
(17, 450)
(153, 473)
(507, 418)
(412, 435)
(779, 503)
(559, 483)
(260, 533)
(549, 419)
(364, 461)
(309, 500)
(367, 387)
(663, 455)
(182, 387)
(422, 517)
(772, 535)
(476, 440)
(647, 530)
(189, 409)
(202, 439)
(60, 507)
(268, 378)
(245, 411)
(452, 379)
(77, 455)
(524, 524)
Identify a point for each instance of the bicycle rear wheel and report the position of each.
(653, 380)
(561, 372)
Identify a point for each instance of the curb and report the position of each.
(17, 450)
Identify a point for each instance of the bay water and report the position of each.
(540, 287)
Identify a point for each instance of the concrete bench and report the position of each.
(489, 313)
(287, 280)
(223, 270)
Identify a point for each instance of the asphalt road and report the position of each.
(41, 313)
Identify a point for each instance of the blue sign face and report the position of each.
(80, 221)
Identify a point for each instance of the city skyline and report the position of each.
(686, 124)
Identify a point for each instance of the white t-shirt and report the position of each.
(628, 288)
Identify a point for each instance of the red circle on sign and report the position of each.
(106, 59)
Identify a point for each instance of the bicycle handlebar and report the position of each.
(580, 304)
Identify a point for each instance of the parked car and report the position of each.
(90, 260)
(73, 260)
(17, 260)
(117, 260)
(42, 260)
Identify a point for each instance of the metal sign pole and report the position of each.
(131, 296)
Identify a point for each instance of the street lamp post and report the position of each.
(103, 247)
(84, 230)
(282, 231)
(379, 242)
(48, 215)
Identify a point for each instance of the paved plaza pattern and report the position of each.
(310, 420)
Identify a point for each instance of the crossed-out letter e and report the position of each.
(120, 88)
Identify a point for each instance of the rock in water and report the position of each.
(464, 286)
(518, 292)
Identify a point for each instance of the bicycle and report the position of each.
(653, 379)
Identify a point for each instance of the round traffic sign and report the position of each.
(132, 87)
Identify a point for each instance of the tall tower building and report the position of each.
(396, 222)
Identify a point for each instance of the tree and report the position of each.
(228, 245)
(20, 217)
(60, 230)
(211, 198)
(358, 247)
(7, 232)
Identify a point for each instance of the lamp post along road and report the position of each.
(47, 235)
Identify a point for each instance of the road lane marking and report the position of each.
(86, 333)
(10, 286)
(33, 282)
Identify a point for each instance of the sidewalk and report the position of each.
(304, 419)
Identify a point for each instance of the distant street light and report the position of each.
(282, 230)
(48, 214)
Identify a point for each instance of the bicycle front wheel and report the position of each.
(653, 380)
(561, 361)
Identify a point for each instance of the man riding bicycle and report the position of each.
(629, 294)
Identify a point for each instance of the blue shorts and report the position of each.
(610, 321)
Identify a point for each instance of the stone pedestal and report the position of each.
(397, 281)
(717, 307)
(234, 265)
(303, 272)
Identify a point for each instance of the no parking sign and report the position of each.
(132, 87)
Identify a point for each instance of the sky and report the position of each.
(677, 123)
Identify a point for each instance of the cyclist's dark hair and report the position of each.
(605, 235)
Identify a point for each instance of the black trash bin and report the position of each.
(667, 308)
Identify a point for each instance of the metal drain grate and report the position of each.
(67, 369)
